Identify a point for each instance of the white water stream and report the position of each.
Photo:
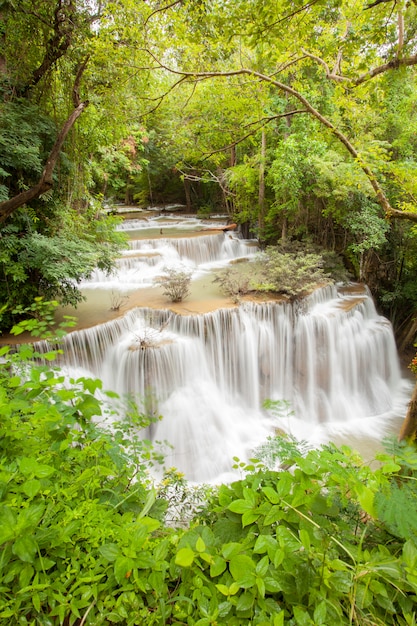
(333, 358)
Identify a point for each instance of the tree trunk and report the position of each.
(261, 197)
(187, 190)
(409, 427)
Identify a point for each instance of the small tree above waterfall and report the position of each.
(176, 283)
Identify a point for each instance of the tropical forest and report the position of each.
(208, 312)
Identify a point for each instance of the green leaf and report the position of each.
(7, 524)
(261, 586)
(301, 616)
(245, 602)
(320, 614)
(200, 546)
(217, 567)
(110, 551)
(262, 566)
(240, 506)
(242, 569)
(366, 499)
(31, 487)
(30, 466)
(249, 518)
(271, 494)
(184, 557)
(123, 566)
(274, 515)
(304, 538)
(36, 601)
(224, 589)
(25, 575)
(25, 548)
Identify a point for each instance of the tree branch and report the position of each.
(383, 201)
(76, 87)
(165, 8)
(262, 122)
(58, 43)
(46, 181)
(394, 64)
(329, 74)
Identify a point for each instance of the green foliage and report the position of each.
(78, 514)
(52, 265)
(25, 136)
(176, 283)
(236, 281)
(368, 228)
(290, 273)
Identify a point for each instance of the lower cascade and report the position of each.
(329, 362)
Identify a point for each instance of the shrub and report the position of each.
(176, 283)
(289, 273)
(234, 282)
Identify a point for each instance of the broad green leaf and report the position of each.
(279, 619)
(242, 569)
(7, 524)
(271, 494)
(123, 567)
(217, 567)
(25, 575)
(200, 546)
(275, 514)
(231, 549)
(110, 551)
(25, 548)
(224, 589)
(366, 499)
(30, 466)
(184, 557)
(245, 601)
(240, 506)
(320, 614)
(249, 518)
(31, 487)
(262, 566)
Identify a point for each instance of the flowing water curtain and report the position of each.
(334, 360)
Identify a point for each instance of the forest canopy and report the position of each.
(296, 118)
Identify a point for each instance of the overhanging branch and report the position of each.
(45, 182)
(383, 201)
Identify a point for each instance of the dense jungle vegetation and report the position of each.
(298, 120)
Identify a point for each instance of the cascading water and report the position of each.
(333, 358)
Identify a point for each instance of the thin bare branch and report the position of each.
(160, 10)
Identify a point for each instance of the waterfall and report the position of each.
(333, 358)
(147, 258)
(328, 362)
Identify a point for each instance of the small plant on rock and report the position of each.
(176, 283)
